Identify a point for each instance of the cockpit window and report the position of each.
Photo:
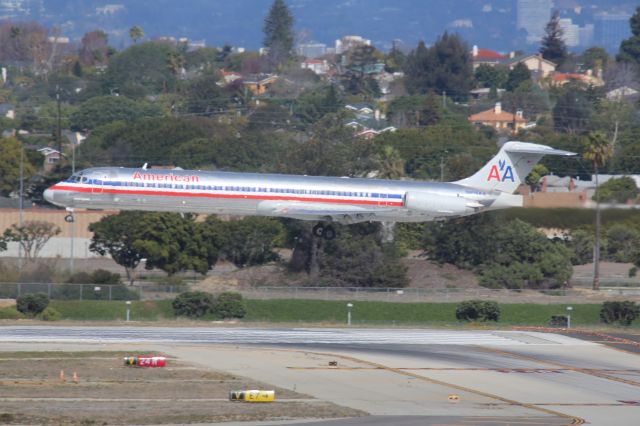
(74, 178)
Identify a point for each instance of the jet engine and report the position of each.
(441, 205)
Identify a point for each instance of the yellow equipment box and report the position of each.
(253, 395)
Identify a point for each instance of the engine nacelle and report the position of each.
(440, 205)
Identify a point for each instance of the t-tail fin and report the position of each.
(509, 168)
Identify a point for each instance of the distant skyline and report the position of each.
(501, 25)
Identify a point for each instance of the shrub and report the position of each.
(622, 312)
(32, 304)
(80, 278)
(99, 276)
(229, 305)
(633, 271)
(10, 313)
(193, 304)
(50, 314)
(478, 310)
(102, 276)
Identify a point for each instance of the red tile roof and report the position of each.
(489, 54)
(490, 115)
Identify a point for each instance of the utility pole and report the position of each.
(442, 165)
(21, 206)
(59, 130)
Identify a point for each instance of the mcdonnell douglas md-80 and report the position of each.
(321, 199)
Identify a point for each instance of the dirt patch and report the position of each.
(108, 392)
(5, 303)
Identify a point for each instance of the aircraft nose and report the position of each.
(48, 195)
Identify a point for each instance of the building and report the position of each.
(259, 84)
(347, 43)
(561, 78)
(570, 32)
(51, 158)
(481, 56)
(539, 67)
(532, 16)
(318, 66)
(610, 30)
(312, 50)
(498, 119)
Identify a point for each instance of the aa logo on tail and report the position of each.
(502, 173)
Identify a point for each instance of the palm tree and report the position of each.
(598, 152)
(136, 33)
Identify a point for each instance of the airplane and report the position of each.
(325, 200)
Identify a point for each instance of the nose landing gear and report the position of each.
(324, 231)
(69, 217)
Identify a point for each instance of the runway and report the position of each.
(400, 376)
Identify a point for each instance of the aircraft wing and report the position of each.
(320, 211)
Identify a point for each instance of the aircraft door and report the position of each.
(383, 200)
(97, 184)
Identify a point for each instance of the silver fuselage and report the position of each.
(345, 200)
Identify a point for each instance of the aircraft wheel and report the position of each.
(318, 230)
(329, 233)
(69, 218)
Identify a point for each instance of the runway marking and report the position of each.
(574, 420)
(587, 371)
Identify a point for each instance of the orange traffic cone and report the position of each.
(62, 375)
(75, 377)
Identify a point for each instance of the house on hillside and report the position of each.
(481, 56)
(561, 78)
(540, 68)
(623, 93)
(498, 119)
(259, 84)
(318, 66)
(51, 158)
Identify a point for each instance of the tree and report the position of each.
(595, 58)
(115, 235)
(519, 74)
(598, 151)
(622, 242)
(32, 236)
(136, 33)
(101, 110)
(512, 255)
(94, 49)
(140, 70)
(10, 165)
(630, 48)
(250, 241)
(552, 46)
(359, 259)
(573, 110)
(444, 67)
(618, 190)
(172, 243)
(278, 34)
(491, 76)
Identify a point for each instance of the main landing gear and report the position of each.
(324, 231)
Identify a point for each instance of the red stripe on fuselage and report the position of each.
(102, 190)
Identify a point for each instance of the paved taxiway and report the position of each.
(492, 377)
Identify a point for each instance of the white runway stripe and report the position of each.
(262, 336)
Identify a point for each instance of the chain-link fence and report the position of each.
(159, 292)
